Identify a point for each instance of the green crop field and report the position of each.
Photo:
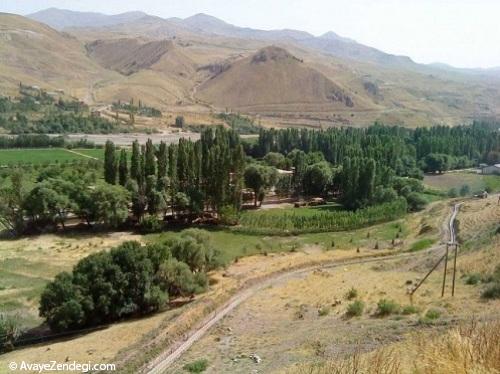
(476, 182)
(37, 156)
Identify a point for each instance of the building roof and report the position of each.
(492, 166)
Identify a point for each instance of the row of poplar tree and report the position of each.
(390, 145)
(195, 176)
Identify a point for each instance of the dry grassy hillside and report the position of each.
(273, 77)
(38, 55)
(197, 74)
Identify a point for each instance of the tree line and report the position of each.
(400, 148)
(42, 141)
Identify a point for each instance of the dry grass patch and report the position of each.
(470, 348)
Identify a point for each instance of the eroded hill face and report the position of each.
(128, 56)
(273, 77)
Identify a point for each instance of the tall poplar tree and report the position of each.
(123, 168)
(110, 163)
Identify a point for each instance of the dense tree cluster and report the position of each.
(60, 123)
(140, 108)
(188, 177)
(239, 123)
(128, 280)
(60, 194)
(362, 165)
(35, 112)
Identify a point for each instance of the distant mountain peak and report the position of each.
(63, 18)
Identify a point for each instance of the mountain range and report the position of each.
(203, 65)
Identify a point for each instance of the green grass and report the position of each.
(37, 156)
(233, 244)
(197, 366)
(476, 182)
(492, 182)
(21, 283)
(422, 244)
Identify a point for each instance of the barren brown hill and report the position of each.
(182, 70)
(128, 56)
(270, 77)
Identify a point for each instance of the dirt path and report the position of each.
(170, 355)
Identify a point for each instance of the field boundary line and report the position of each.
(81, 154)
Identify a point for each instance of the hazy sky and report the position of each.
(463, 33)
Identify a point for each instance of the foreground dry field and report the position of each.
(303, 320)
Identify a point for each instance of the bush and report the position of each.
(409, 309)
(150, 224)
(195, 248)
(197, 366)
(416, 202)
(432, 314)
(473, 279)
(387, 307)
(421, 245)
(351, 294)
(355, 309)
(464, 190)
(9, 332)
(323, 311)
(229, 215)
(452, 192)
(492, 291)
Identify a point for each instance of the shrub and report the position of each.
(492, 291)
(464, 190)
(323, 311)
(416, 202)
(355, 309)
(473, 279)
(229, 215)
(197, 366)
(351, 294)
(387, 307)
(409, 309)
(421, 245)
(150, 224)
(9, 332)
(432, 314)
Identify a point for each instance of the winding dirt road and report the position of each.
(172, 353)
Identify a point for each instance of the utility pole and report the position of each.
(454, 270)
(445, 270)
